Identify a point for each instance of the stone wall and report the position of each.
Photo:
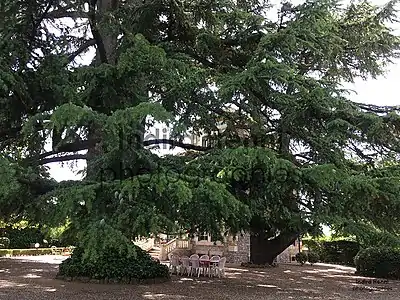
(182, 252)
(242, 255)
(284, 257)
(208, 250)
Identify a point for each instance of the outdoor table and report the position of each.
(204, 263)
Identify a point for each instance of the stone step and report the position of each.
(154, 252)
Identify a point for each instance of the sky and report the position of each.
(381, 91)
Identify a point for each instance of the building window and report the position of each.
(204, 141)
(205, 237)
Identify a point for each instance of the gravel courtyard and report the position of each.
(32, 278)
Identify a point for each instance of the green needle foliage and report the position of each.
(295, 152)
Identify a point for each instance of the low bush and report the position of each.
(113, 266)
(23, 252)
(378, 262)
(301, 258)
(312, 257)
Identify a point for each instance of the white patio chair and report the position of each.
(185, 266)
(221, 267)
(194, 256)
(194, 265)
(174, 264)
(203, 267)
(214, 262)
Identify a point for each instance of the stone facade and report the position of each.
(235, 249)
(289, 254)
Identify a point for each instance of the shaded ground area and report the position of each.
(31, 278)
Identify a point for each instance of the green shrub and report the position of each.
(301, 258)
(378, 262)
(112, 265)
(4, 242)
(312, 257)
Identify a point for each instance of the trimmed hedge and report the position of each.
(378, 262)
(22, 238)
(111, 266)
(340, 252)
(25, 252)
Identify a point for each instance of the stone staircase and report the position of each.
(161, 251)
(155, 252)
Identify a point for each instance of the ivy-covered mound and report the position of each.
(113, 266)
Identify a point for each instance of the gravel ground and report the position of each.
(31, 278)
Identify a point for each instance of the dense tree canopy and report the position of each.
(295, 151)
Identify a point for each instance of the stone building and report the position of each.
(235, 249)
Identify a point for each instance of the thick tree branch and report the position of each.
(63, 13)
(84, 145)
(96, 33)
(40, 185)
(176, 144)
(81, 49)
(361, 154)
(62, 158)
(41, 18)
(70, 147)
(377, 108)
